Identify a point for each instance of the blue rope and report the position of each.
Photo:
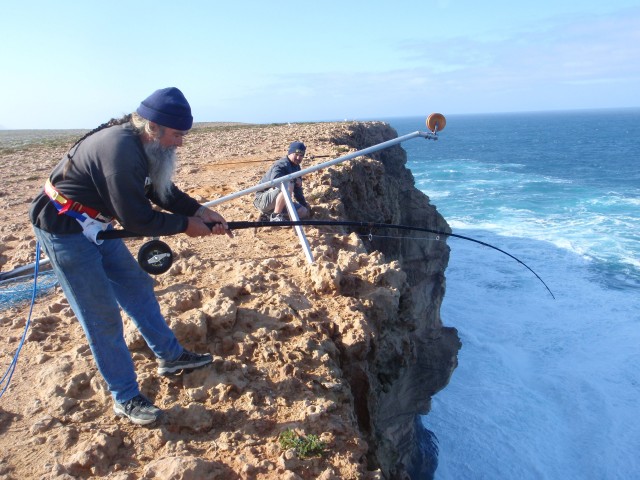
(12, 367)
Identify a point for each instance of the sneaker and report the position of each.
(278, 217)
(139, 410)
(187, 360)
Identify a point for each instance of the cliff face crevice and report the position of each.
(413, 355)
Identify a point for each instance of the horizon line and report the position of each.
(363, 119)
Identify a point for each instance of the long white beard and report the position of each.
(162, 167)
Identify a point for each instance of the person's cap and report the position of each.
(296, 147)
(167, 107)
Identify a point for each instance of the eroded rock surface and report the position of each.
(350, 348)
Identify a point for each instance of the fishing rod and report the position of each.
(436, 122)
(156, 256)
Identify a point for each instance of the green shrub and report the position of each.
(305, 447)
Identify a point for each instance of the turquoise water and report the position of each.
(545, 388)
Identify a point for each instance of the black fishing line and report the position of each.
(110, 234)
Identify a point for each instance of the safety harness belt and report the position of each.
(91, 220)
(67, 206)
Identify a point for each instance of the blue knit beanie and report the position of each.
(167, 107)
(296, 147)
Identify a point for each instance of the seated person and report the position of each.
(271, 201)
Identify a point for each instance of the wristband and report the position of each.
(200, 211)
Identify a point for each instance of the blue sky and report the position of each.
(75, 64)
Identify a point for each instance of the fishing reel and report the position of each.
(155, 257)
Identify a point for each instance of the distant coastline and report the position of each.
(18, 140)
(381, 117)
(21, 139)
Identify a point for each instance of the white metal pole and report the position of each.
(277, 181)
(293, 215)
(18, 271)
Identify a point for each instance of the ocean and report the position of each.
(545, 388)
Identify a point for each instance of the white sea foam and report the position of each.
(439, 195)
(544, 388)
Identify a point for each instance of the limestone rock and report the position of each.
(350, 348)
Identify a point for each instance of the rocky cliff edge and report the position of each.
(348, 350)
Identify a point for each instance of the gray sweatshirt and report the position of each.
(108, 173)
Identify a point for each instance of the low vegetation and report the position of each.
(305, 447)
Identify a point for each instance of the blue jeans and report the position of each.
(97, 280)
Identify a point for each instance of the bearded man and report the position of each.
(116, 172)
